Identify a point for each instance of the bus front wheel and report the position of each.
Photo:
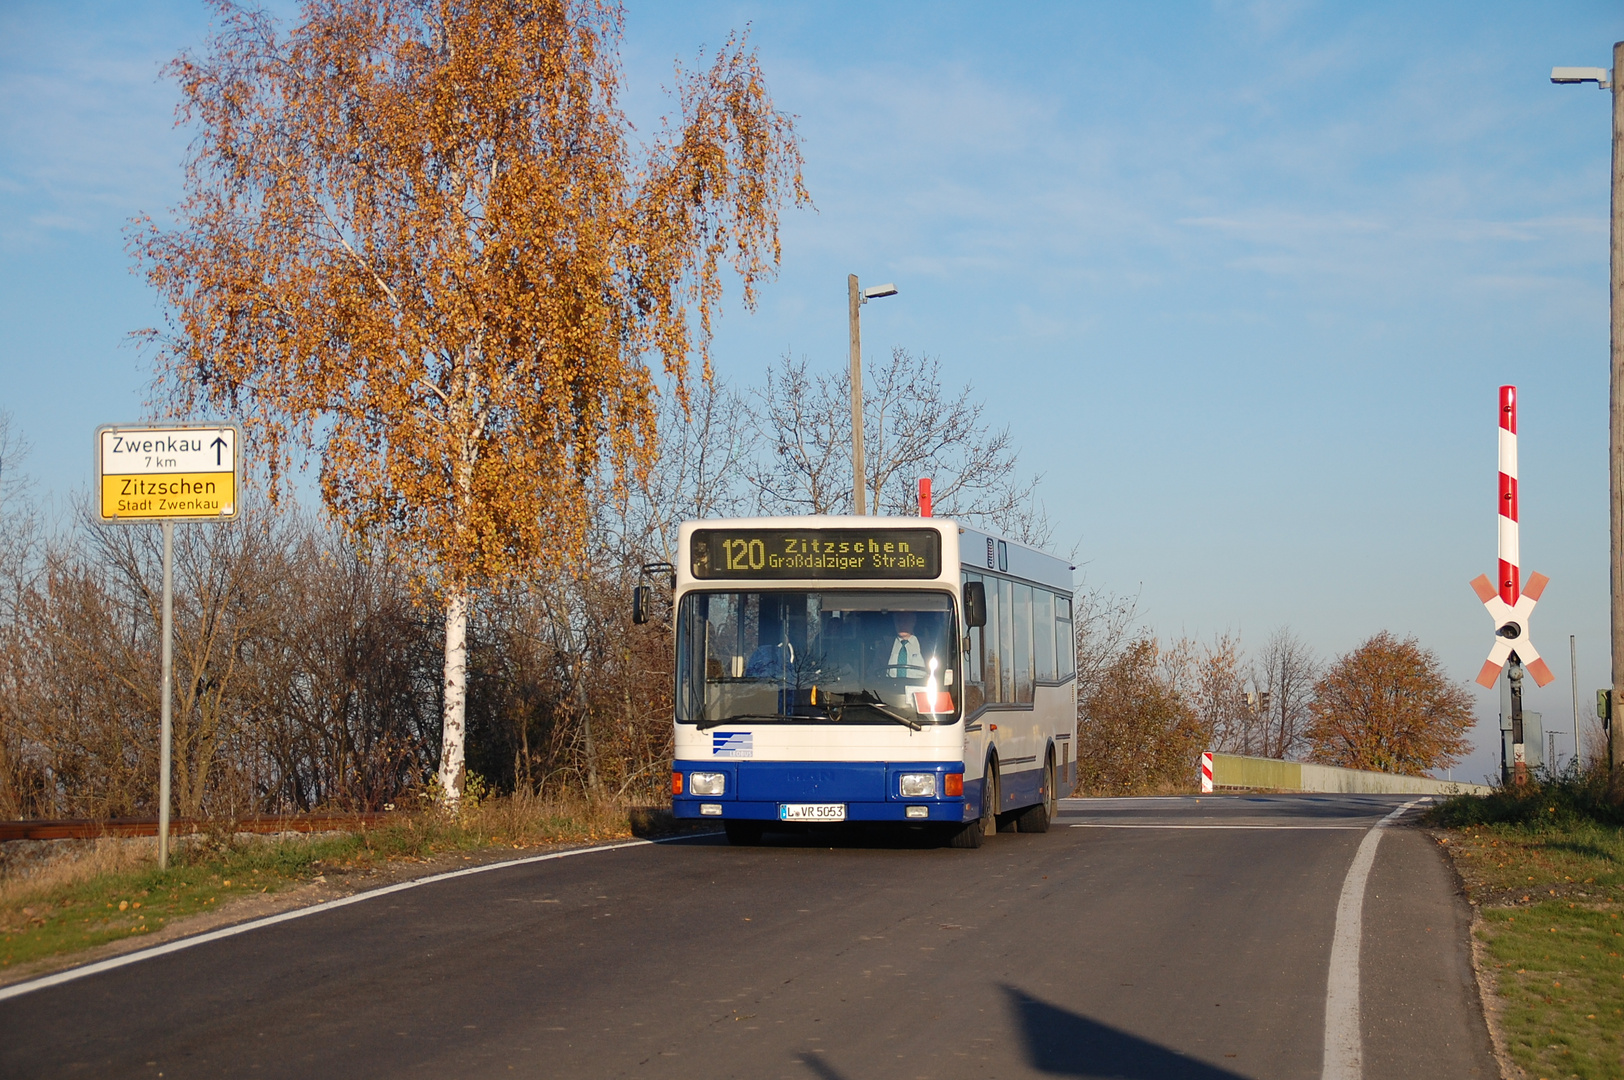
(991, 796)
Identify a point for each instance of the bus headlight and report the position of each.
(918, 785)
(706, 783)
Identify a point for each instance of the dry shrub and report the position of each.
(524, 818)
(32, 868)
(306, 677)
(1138, 734)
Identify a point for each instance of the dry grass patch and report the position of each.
(1548, 878)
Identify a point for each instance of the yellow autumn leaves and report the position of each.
(443, 268)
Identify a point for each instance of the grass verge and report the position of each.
(1545, 866)
(110, 890)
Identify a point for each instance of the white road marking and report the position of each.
(1344, 1042)
(19, 989)
(1110, 825)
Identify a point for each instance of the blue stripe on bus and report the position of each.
(941, 810)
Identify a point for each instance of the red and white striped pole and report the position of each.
(1510, 572)
(1510, 605)
(1206, 773)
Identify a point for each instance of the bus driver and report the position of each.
(774, 658)
(907, 658)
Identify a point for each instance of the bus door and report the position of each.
(978, 736)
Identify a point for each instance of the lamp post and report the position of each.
(1573, 670)
(1605, 80)
(855, 298)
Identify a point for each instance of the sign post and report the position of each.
(182, 472)
(1513, 602)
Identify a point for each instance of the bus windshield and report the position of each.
(836, 656)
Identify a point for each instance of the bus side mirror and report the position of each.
(975, 603)
(640, 597)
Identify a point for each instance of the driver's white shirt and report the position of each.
(907, 659)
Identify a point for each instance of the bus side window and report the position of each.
(1001, 674)
(1021, 613)
(1065, 645)
(992, 669)
(1043, 636)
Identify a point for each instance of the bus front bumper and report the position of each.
(792, 791)
(732, 810)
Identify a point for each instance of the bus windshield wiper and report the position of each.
(705, 725)
(869, 699)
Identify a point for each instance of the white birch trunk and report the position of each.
(454, 727)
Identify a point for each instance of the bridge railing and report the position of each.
(1238, 771)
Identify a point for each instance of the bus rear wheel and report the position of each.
(1036, 819)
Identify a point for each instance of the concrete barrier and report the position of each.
(1236, 771)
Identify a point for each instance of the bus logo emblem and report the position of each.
(734, 744)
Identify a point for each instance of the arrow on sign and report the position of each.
(219, 445)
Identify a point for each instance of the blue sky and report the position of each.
(1243, 277)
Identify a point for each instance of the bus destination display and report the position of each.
(816, 553)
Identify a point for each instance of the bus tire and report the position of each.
(991, 793)
(743, 833)
(966, 836)
(1036, 818)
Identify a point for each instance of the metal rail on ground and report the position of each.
(84, 829)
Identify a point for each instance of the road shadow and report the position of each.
(817, 1065)
(1061, 1043)
(875, 835)
(658, 823)
(1581, 847)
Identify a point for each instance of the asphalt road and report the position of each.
(1193, 943)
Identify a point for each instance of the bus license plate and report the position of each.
(812, 812)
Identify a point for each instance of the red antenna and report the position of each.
(924, 496)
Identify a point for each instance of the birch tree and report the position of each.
(418, 242)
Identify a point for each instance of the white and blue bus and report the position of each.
(837, 669)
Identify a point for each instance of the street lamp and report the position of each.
(1604, 79)
(855, 298)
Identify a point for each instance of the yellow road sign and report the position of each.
(172, 473)
(212, 495)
